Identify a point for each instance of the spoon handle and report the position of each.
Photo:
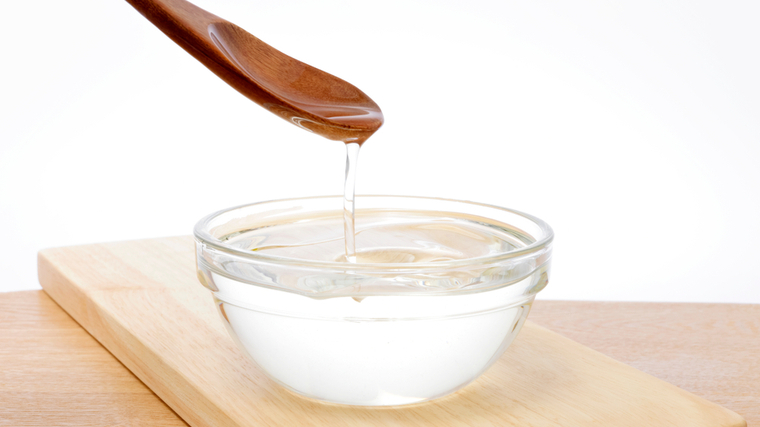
(190, 27)
(182, 21)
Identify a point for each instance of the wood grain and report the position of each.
(297, 92)
(53, 373)
(141, 301)
(712, 350)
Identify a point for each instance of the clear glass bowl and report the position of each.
(372, 334)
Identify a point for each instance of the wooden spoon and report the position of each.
(304, 95)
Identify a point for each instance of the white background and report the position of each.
(632, 127)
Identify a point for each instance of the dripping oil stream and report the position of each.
(349, 211)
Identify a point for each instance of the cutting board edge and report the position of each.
(101, 326)
(737, 421)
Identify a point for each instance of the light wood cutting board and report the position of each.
(142, 301)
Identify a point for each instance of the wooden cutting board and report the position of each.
(142, 301)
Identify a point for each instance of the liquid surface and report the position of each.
(383, 237)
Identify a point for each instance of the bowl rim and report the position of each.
(202, 234)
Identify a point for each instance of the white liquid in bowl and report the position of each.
(380, 337)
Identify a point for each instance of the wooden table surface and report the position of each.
(52, 373)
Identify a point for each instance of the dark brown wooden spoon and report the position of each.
(297, 92)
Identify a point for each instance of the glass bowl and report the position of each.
(372, 334)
